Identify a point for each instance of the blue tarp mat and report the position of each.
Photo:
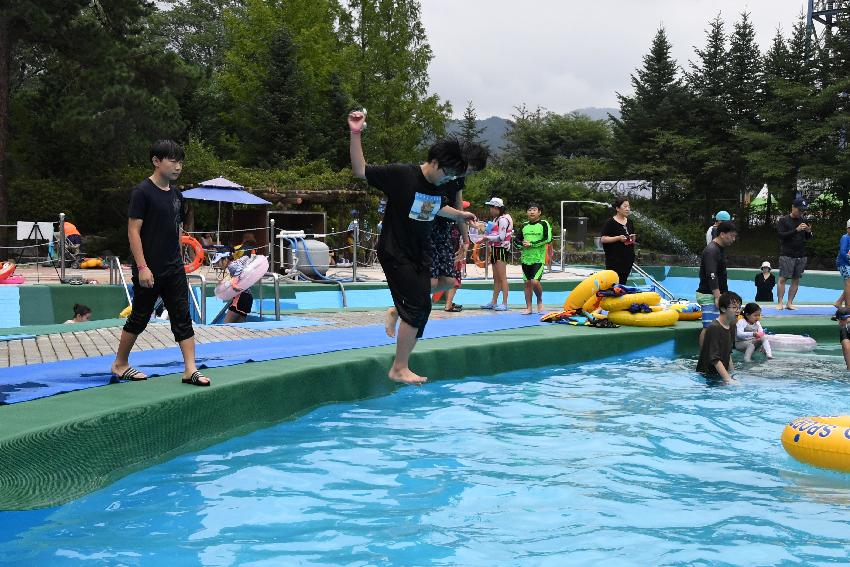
(284, 323)
(23, 383)
(808, 310)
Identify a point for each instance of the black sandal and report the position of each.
(195, 379)
(130, 374)
(455, 308)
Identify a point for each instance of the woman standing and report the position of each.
(499, 232)
(618, 240)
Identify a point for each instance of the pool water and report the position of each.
(633, 460)
(371, 298)
(686, 287)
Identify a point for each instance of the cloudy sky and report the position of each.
(568, 54)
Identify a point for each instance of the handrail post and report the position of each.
(563, 249)
(201, 306)
(271, 246)
(354, 251)
(61, 247)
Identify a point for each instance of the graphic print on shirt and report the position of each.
(424, 207)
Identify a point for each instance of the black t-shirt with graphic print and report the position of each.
(161, 213)
(412, 205)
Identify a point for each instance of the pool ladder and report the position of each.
(663, 291)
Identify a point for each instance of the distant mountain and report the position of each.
(598, 113)
(493, 134)
(495, 127)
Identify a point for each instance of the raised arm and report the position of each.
(356, 123)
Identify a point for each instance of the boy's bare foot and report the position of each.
(406, 376)
(527, 311)
(391, 322)
(539, 307)
(127, 372)
(779, 307)
(789, 307)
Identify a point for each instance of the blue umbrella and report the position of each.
(223, 190)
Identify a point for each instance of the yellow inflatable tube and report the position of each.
(625, 301)
(662, 318)
(687, 311)
(587, 289)
(820, 441)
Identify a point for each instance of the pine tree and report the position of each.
(745, 99)
(709, 75)
(469, 130)
(708, 83)
(745, 80)
(650, 142)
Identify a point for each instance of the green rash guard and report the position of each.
(539, 234)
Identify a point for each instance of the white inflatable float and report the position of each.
(791, 343)
(253, 272)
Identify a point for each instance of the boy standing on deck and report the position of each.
(715, 355)
(415, 196)
(534, 235)
(155, 216)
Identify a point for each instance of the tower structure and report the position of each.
(828, 13)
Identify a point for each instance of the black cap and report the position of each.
(841, 313)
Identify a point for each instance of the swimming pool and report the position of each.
(632, 459)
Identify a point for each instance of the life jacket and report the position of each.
(509, 233)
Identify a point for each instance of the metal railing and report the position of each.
(275, 277)
(202, 308)
(668, 295)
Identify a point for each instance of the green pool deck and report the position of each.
(56, 449)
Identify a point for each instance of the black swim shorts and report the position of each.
(410, 287)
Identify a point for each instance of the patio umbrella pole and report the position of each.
(218, 226)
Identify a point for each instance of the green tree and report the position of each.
(273, 45)
(32, 31)
(708, 81)
(569, 146)
(95, 92)
(469, 130)
(387, 58)
(649, 139)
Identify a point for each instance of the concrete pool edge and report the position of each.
(57, 449)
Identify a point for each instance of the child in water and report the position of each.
(81, 314)
(749, 334)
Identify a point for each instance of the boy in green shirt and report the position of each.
(534, 236)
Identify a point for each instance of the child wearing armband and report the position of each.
(749, 334)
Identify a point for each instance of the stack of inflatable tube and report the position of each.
(820, 441)
(583, 296)
(618, 310)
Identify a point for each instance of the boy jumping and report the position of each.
(415, 196)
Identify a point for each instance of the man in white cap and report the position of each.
(793, 234)
(711, 233)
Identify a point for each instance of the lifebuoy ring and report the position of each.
(548, 254)
(6, 270)
(191, 248)
(480, 262)
(820, 441)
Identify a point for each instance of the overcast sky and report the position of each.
(568, 54)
